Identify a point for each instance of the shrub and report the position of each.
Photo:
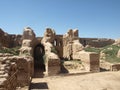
(14, 51)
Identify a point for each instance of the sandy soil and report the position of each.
(94, 81)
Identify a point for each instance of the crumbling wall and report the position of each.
(28, 41)
(96, 42)
(58, 44)
(71, 44)
(15, 72)
(51, 57)
(4, 39)
(15, 40)
(9, 40)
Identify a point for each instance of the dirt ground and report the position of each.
(94, 81)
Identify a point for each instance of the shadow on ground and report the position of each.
(39, 86)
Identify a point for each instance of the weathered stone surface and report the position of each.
(71, 44)
(9, 40)
(47, 41)
(28, 33)
(48, 36)
(27, 43)
(90, 60)
(118, 54)
(115, 67)
(52, 67)
(12, 40)
(26, 51)
(72, 67)
(26, 48)
(96, 42)
(77, 47)
(16, 73)
(109, 66)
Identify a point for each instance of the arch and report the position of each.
(38, 55)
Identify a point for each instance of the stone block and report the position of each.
(52, 67)
(90, 60)
(115, 67)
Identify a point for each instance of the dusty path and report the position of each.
(94, 81)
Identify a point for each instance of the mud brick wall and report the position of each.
(53, 66)
(8, 74)
(90, 60)
(24, 71)
(15, 72)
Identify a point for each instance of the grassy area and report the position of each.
(92, 49)
(74, 61)
(14, 51)
(109, 51)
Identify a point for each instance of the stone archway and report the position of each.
(39, 64)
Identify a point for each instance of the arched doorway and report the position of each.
(39, 66)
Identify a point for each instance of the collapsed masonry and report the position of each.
(45, 53)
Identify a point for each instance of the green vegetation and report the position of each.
(110, 52)
(14, 51)
(75, 60)
(54, 50)
(92, 49)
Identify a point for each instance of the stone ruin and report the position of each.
(73, 50)
(9, 40)
(43, 54)
(71, 45)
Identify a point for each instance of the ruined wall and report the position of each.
(52, 61)
(15, 71)
(12, 40)
(9, 40)
(58, 44)
(29, 39)
(71, 44)
(96, 42)
(15, 40)
(4, 39)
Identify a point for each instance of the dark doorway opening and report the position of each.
(39, 66)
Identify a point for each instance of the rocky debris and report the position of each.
(109, 66)
(73, 65)
(5, 54)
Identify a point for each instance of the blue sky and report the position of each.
(93, 18)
